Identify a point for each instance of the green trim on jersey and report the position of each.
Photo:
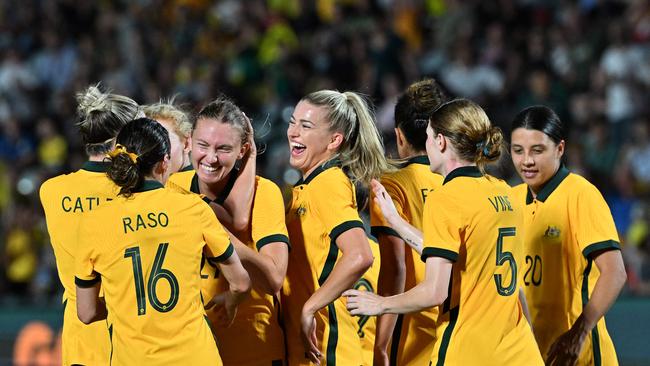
(221, 198)
(446, 336)
(595, 337)
(224, 256)
(328, 164)
(419, 159)
(149, 185)
(464, 171)
(86, 283)
(275, 238)
(333, 336)
(603, 245)
(549, 186)
(96, 166)
(438, 252)
(384, 230)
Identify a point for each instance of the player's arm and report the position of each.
(236, 209)
(410, 234)
(432, 291)
(392, 279)
(268, 267)
(90, 307)
(356, 258)
(567, 348)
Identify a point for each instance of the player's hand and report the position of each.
(225, 308)
(363, 302)
(566, 349)
(309, 338)
(384, 202)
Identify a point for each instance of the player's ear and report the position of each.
(335, 141)
(162, 166)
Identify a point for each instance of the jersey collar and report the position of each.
(320, 169)
(96, 166)
(187, 168)
(549, 187)
(420, 159)
(194, 187)
(463, 171)
(149, 185)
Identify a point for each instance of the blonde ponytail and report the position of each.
(361, 154)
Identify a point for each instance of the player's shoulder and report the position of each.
(176, 187)
(578, 186)
(331, 178)
(58, 183)
(182, 178)
(265, 182)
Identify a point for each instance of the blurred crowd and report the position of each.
(587, 59)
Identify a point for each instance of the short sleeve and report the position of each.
(378, 224)
(268, 225)
(334, 201)
(442, 227)
(85, 256)
(217, 242)
(593, 219)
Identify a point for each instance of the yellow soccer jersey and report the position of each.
(255, 337)
(323, 207)
(367, 325)
(474, 222)
(147, 250)
(65, 198)
(414, 333)
(567, 222)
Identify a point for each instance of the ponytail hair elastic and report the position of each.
(484, 147)
(121, 149)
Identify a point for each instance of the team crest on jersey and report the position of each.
(552, 232)
(301, 210)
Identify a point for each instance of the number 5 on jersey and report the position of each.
(157, 273)
(503, 257)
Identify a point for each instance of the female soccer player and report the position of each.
(145, 249)
(471, 240)
(333, 140)
(401, 268)
(568, 229)
(177, 123)
(66, 197)
(222, 135)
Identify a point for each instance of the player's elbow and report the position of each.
(432, 296)
(276, 282)
(362, 261)
(240, 223)
(619, 275)
(437, 298)
(85, 315)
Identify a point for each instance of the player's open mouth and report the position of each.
(208, 168)
(297, 149)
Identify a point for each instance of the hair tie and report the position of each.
(121, 149)
(484, 147)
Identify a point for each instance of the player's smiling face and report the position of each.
(216, 147)
(311, 143)
(535, 156)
